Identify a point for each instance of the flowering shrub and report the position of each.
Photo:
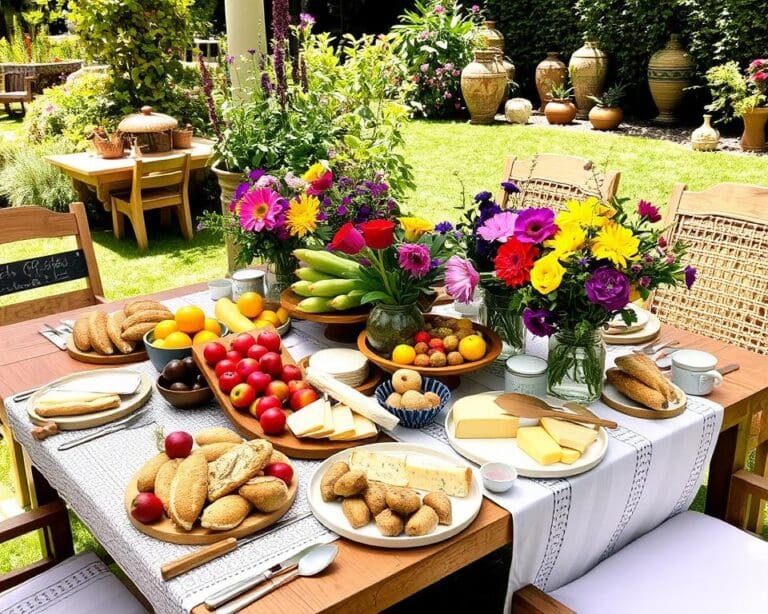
(435, 42)
(734, 92)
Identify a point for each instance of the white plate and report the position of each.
(465, 509)
(617, 326)
(646, 333)
(128, 403)
(505, 450)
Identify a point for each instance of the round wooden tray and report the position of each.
(167, 531)
(342, 326)
(250, 427)
(368, 387)
(616, 400)
(95, 358)
(448, 374)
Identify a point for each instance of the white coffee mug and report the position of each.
(694, 372)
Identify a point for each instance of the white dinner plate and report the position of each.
(465, 509)
(647, 333)
(618, 327)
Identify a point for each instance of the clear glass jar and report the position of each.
(496, 314)
(576, 365)
(281, 275)
(391, 325)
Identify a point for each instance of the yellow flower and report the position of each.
(414, 227)
(547, 274)
(616, 243)
(588, 213)
(568, 239)
(301, 218)
(317, 170)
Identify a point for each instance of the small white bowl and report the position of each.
(498, 477)
(220, 288)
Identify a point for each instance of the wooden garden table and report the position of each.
(89, 171)
(370, 579)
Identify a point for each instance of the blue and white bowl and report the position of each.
(415, 418)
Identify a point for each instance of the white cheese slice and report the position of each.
(343, 422)
(364, 429)
(328, 426)
(425, 474)
(380, 467)
(308, 419)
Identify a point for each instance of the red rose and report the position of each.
(321, 184)
(347, 239)
(378, 234)
(514, 262)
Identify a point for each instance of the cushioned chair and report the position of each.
(549, 180)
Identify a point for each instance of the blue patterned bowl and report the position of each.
(415, 418)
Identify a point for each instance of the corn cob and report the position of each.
(306, 273)
(328, 263)
(345, 301)
(315, 304)
(302, 288)
(332, 287)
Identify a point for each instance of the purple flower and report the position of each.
(443, 227)
(256, 174)
(461, 279)
(690, 276)
(539, 321)
(535, 225)
(648, 211)
(306, 20)
(644, 281)
(608, 288)
(583, 262)
(510, 187)
(447, 95)
(414, 259)
(499, 228)
(266, 84)
(341, 210)
(475, 9)
(439, 9)
(240, 191)
(483, 196)
(229, 59)
(205, 77)
(435, 262)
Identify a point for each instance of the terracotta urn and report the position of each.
(605, 118)
(670, 71)
(560, 111)
(518, 110)
(550, 71)
(483, 86)
(753, 138)
(588, 68)
(491, 38)
(705, 137)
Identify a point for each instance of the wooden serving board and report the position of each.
(95, 358)
(167, 531)
(250, 427)
(368, 387)
(616, 400)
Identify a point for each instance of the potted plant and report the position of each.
(607, 113)
(560, 109)
(737, 94)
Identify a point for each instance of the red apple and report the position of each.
(271, 363)
(259, 381)
(302, 398)
(279, 389)
(147, 507)
(247, 366)
(257, 351)
(214, 352)
(228, 380)
(270, 340)
(272, 421)
(436, 344)
(242, 395)
(242, 342)
(223, 366)
(290, 372)
(297, 384)
(260, 405)
(178, 444)
(280, 470)
(422, 337)
(234, 356)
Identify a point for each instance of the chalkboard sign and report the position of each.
(42, 271)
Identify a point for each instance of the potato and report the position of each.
(356, 511)
(403, 501)
(148, 472)
(440, 502)
(423, 522)
(350, 484)
(332, 474)
(267, 493)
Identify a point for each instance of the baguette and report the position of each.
(114, 331)
(149, 315)
(642, 368)
(188, 491)
(137, 331)
(635, 389)
(142, 305)
(97, 333)
(77, 407)
(80, 334)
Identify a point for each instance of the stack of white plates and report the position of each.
(348, 366)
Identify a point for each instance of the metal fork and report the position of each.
(652, 348)
(131, 422)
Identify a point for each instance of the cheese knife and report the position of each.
(103, 382)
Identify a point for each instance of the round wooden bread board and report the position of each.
(167, 531)
(95, 358)
(128, 404)
(289, 301)
(648, 333)
(368, 387)
(616, 400)
(250, 427)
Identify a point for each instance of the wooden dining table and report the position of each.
(365, 578)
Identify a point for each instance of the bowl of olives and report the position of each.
(182, 385)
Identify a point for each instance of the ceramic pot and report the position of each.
(753, 138)
(491, 38)
(605, 118)
(228, 183)
(483, 85)
(390, 325)
(588, 68)
(705, 137)
(518, 110)
(550, 71)
(670, 71)
(560, 111)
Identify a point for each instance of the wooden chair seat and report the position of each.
(151, 199)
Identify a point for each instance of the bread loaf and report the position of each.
(642, 368)
(635, 389)
(189, 488)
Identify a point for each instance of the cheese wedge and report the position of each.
(427, 475)
(536, 443)
(380, 467)
(570, 456)
(364, 429)
(478, 417)
(343, 422)
(568, 434)
(309, 419)
(328, 424)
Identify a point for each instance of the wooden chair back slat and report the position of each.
(22, 223)
(165, 173)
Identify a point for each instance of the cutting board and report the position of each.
(94, 358)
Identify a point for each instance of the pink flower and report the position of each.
(414, 258)
(415, 78)
(439, 9)
(258, 209)
(449, 66)
(456, 72)
(535, 225)
(424, 67)
(649, 211)
(461, 279)
(475, 9)
(761, 76)
(499, 228)
(447, 95)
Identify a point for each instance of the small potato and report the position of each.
(267, 493)
(212, 451)
(423, 522)
(148, 473)
(403, 501)
(389, 523)
(350, 484)
(329, 479)
(217, 434)
(440, 502)
(164, 479)
(356, 511)
(375, 497)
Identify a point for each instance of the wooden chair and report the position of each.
(18, 88)
(690, 563)
(549, 180)
(157, 184)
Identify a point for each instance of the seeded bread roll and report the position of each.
(225, 513)
(148, 472)
(189, 488)
(164, 479)
(235, 467)
(217, 434)
(142, 317)
(80, 334)
(142, 305)
(350, 484)
(137, 331)
(642, 368)
(635, 389)
(267, 493)
(440, 502)
(97, 333)
(114, 322)
(212, 451)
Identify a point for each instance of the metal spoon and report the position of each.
(311, 564)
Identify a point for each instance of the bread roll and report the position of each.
(149, 315)
(331, 475)
(225, 513)
(136, 332)
(80, 334)
(164, 479)
(350, 484)
(642, 368)
(148, 472)
(212, 451)
(635, 389)
(114, 330)
(423, 522)
(217, 434)
(266, 493)
(389, 523)
(403, 501)
(97, 333)
(142, 305)
(235, 467)
(440, 502)
(356, 512)
(189, 488)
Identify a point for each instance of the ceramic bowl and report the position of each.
(415, 418)
(220, 288)
(498, 477)
(159, 357)
(183, 399)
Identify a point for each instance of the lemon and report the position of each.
(158, 343)
(165, 328)
(403, 354)
(270, 316)
(262, 324)
(472, 347)
(282, 315)
(212, 325)
(177, 340)
(204, 336)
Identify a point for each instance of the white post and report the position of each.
(246, 27)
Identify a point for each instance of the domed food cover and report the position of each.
(152, 130)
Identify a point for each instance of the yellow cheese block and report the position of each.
(364, 429)
(308, 419)
(478, 417)
(570, 456)
(536, 443)
(380, 467)
(328, 425)
(450, 479)
(343, 422)
(568, 434)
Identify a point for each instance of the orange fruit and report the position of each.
(165, 328)
(403, 354)
(282, 315)
(262, 323)
(271, 317)
(190, 319)
(212, 325)
(250, 304)
(177, 340)
(204, 336)
(472, 347)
